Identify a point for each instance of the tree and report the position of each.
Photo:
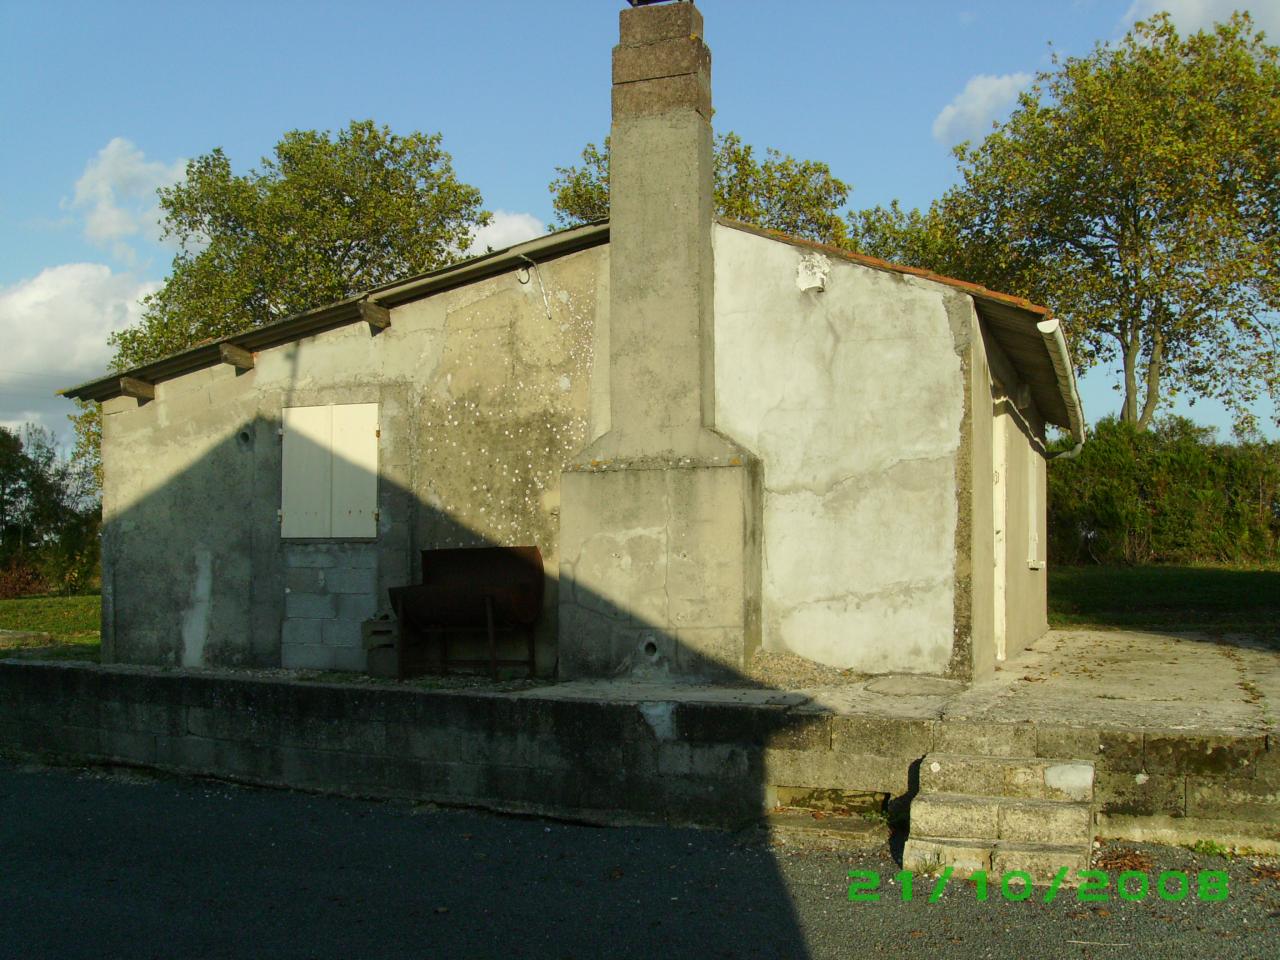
(48, 516)
(1136, 191)
(323, 218)
(797, 197)
(920, 239)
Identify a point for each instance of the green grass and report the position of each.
(72, 623)
(1214, 600)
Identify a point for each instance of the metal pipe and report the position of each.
(1051, 330)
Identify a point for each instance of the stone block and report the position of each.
(938, 815)
(1031, 821)
(131, 746)
(304, 579)
(838, 771)
(33, 738)
(343, 579)
(341, 633)
(310, 606)
(927, 855)
(350, 659)
(1018, 778)
(356, 773)
(307, 656)
(980, 738)
(1112, 749)
(361, 557)
(882, 736)
(651, 24)
(308, 555)
(694, 800)
(1239, 798)
(691, 91)
(1140, 793)
(127, 715)
(1222, 755)
(799, 731)
(358, 606)
(222, 722)
(751, 724)
(1042, 861)
(662, 58)
(1263, 838)
(353, 736)
(724, 761)
(519, 748)
(531, 787)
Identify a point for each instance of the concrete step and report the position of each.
(1042, 861)
(1001, 818)
(808, 827)
(1025, 778)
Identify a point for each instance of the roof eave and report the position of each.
(348, 311)
(1067, 413)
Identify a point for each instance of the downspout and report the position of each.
(1051, 330)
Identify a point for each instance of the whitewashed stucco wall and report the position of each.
(853, 399)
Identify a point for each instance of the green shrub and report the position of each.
(1171, 494)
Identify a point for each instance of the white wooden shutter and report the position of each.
(355, 470)
(306, 497)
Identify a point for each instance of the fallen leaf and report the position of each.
(1117, 861)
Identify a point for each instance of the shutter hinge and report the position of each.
(280, 516)
(377, 434)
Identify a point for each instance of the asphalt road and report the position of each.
(101, 865)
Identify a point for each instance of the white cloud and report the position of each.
(1192, 15)
(983, 99)
(505, 230)
(54, 327)
(14, 424)
(116, 195)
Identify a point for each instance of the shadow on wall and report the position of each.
(196, 572)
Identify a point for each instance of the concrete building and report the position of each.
(720, 439)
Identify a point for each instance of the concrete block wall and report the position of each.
(1179, 786)
(649, 761)
(483, 392)
(679, 763)
(330, 590)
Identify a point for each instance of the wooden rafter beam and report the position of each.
(238, 357)
(375, 314)
(133, 387)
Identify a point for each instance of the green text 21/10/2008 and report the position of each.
(1096, 886)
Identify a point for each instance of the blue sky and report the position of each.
(102, 102)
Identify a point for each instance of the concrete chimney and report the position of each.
(661, 174)
(660, 516)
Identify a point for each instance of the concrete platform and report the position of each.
(1181, 731)
(1117, 680)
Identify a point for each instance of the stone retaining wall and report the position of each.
(653, 761)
